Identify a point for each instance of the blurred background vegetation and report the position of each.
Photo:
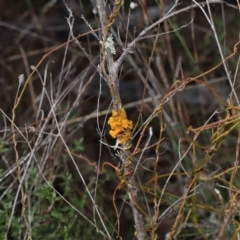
(29, 30)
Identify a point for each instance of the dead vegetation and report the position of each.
(120, 119)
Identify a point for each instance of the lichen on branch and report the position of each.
(121, 127)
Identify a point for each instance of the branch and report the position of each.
(146, 30)
(113, 69)
(119, 115)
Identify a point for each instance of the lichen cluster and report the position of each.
(121, 127)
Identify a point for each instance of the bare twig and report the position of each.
(113, 82)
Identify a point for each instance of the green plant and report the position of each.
(77, 163)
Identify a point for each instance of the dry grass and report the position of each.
(167, 84)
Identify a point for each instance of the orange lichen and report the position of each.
(121, 127)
